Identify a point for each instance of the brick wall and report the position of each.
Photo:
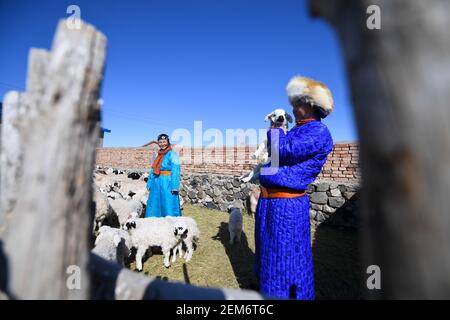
(341, 165)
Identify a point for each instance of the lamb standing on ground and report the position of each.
(123, 208)
(235, 223)
(112, 244)
(192, 237)
(104, 214)
(140, 195)
(158, 232)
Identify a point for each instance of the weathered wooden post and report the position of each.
(49, 137)
(50, 133)
(400, 87)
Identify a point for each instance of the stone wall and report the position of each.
(331, 201)
(334, 202)
(342, 163)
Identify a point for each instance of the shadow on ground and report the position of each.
(241, 257)
(338, 272)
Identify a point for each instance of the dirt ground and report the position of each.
(216, 263)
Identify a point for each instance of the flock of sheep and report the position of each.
(121, 231)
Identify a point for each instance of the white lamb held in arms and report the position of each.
(154, 232)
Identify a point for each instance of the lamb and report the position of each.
(123, 208)
(140, 195)
(261, 155)
(235, 223)
(104, 214)
(149, 232)
(252, 200)
(192, 237)
(128, 189)
(112, 244)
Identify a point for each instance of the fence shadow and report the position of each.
(3, 270)
(241, 257)
(338, 272)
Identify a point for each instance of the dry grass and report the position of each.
(215, 263)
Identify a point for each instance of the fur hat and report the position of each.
(312, 92)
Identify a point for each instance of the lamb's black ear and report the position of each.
(175, 232)
(185, 233)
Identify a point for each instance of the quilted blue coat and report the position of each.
(282, 227)
(161, 202)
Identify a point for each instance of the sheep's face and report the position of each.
(180, 232)
(130, 225)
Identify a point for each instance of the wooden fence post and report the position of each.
(50, 133)
(46, 167)
(399, 79)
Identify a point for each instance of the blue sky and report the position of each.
(169, 63)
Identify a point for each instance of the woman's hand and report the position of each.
(174, 192)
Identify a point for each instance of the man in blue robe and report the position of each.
(284, 262)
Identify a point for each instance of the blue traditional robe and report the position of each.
(282, 227)
(161, 202)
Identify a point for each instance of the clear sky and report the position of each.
(169, 63)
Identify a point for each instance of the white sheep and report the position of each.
(128, 187)
(235, 223)
(104, 214)
(112, 244)
(123, 208)
(192, 237)
(140, 195)
(154, 232)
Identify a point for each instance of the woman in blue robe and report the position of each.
(164, 182)
(284, 262)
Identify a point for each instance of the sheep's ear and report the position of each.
(289, 118)
(175, 232)
(184, 235)
(267, 118)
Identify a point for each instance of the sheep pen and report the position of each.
(216, 263)
(62, 203)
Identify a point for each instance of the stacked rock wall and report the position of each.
(331, 201)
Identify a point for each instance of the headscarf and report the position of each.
(161, 153)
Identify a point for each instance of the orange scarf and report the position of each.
(305, 121)
(158, 161)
